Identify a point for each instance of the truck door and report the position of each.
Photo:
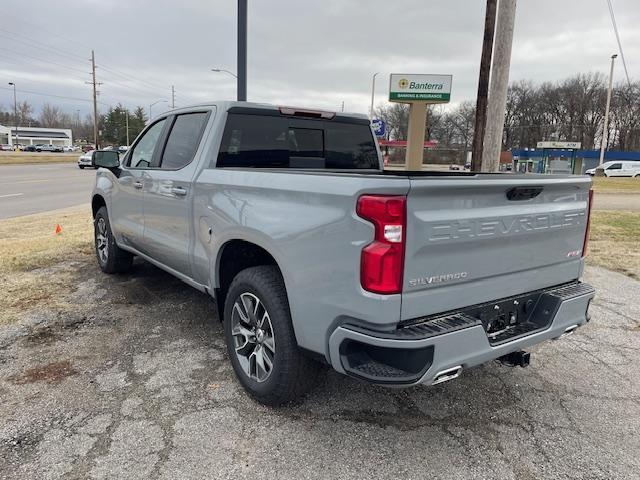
(127, 215)
(168, 193)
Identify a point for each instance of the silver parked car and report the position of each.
(48, 148)
(314, 254)
(86, 159)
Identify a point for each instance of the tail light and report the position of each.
(382, 261)
(586, 232)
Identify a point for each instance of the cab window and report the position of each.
(142, 153)
(183, 140)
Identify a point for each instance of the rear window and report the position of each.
(257, 141)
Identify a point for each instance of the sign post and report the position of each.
(418, 91)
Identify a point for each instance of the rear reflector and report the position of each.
(586, 232)
(382, 261)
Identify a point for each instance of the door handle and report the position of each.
(137, 185)
(178, 191)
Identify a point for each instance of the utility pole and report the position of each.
(498, 86)
(605, 126)
(242, 50)
(342, 107)
(173, 97)
(483, 85)
(93, 83)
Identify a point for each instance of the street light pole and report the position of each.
(373, 92)
(151, 106)
(126, 120)
(225, 71)
(242, 51)
(605, 126)
(15, 114)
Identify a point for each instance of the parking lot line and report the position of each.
(11, 195)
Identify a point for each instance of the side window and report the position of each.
(142, 153)
(254, 141)
(615, 166)
(183, 140)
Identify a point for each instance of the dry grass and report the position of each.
(32, 268)
(616, 185)
(25, 158)
(613, 242)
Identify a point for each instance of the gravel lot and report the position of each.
(132, 381)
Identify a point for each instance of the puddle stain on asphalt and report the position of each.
(51, 373)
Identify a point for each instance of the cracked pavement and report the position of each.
(133, 382)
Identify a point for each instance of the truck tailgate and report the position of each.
(476, 239)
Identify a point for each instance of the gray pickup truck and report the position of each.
(315, 254)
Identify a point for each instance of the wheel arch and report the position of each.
(234, 256)
(97, 201)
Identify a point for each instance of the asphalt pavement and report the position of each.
(133, 381)
(26, 189)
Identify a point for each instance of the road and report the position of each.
(26, 189)
(133, 381)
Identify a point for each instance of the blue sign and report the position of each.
(379, 127)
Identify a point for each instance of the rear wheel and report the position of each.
(261, 341)
(111, 258)
(81, 167)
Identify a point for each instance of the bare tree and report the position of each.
(51, 116)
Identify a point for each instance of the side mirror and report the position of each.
(106, 159)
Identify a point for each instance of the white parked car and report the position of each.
(617, 169)
(86, 160)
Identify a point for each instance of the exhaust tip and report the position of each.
(446, 375)
(567, 331)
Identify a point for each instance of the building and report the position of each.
(36, 136)
(538, 160)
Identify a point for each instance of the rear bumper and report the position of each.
(440, 348)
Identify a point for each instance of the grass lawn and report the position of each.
(25, 158)
(33, 271)
(614, 241)
(616, 185)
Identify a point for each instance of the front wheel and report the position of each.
(111, 258)
(81, 167)
(260, 339)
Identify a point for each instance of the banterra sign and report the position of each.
(420, 88)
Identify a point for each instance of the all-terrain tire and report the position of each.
(292, 374)
(111, 258)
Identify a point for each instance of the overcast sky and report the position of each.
(308, 53)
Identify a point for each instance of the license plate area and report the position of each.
(506, 319)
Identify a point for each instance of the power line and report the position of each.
(130, 77)
(20, 54)
(50, 32)
(36, 44)
(615, 29)
(31, 92)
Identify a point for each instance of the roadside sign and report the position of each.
(379, 127)
(409, 88)
(574, 145)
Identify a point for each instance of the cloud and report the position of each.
(312, 53)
